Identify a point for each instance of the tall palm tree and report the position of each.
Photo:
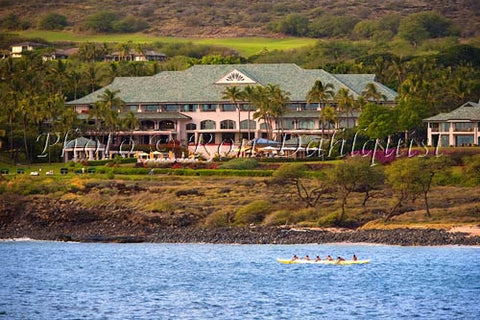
(249, 94)
(271, 105)
(107, 108)
(345, 102)
(327, 115)
(234, 94)
(278, 102)
(320, 93)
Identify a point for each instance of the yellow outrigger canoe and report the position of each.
(303, 261)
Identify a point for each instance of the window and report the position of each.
(263, 126)
(147, 125)
(229, 107)
(227, 124)
(207, 138)
(445, 126)
(189, 107)
(244, 124)
(464, 126)
(228, 137)
(311, 106)
(167, 125)
(246, 107)
(464, 140)
(150, 108)
(209, 107)
(444, 141)
(293, 106)
(191, 126)
(190, 137)
(207, 124)
(288, 124)
(306, 124)
(171, 107)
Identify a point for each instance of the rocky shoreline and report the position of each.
(42, 219)
(258, 235)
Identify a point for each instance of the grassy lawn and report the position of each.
(245, 46)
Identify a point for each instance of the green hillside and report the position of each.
(229, 18)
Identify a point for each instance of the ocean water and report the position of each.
(54, 280)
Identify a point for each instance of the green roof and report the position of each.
(469, 111)
(200, 84)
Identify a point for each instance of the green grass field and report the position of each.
(245, 46)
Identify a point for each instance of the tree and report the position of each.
(294, 24)
(107, 108)
(234, 94)
(296, 173)
(411, 177)
(371, 93)
(345, 103)
(328, 116)
(249, 95)
(417, 27)
(101, 21)
(320, 93)
(53, 21)
(270, 102)
(379, 121)
(130, 123)
(354, 175)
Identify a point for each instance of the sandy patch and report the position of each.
(470, 230)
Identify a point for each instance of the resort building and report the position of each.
(460, 127)
(189, 106)
(19, 48)
(133, 55)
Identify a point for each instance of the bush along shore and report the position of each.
(67, 221)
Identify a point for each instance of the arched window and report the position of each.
(244, 124)
(263, 126)
(191, 126)
(207, 124)
(167, 125)
(227, 124)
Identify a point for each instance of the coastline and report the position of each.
(254, 235)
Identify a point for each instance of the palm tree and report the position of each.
(345, 102)
(278, 102)
(124, 50)
(233, 94)
(320, 93)
(131, 122)
(107, 108)
(327, 115)
(271, 104)
(249, 94)
(371, 93)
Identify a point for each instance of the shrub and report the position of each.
(101, 21)
(279, 218)
(218, 219)
(253, 212)
(53, 21)
(240, 164)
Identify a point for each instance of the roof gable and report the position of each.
(235, 77)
